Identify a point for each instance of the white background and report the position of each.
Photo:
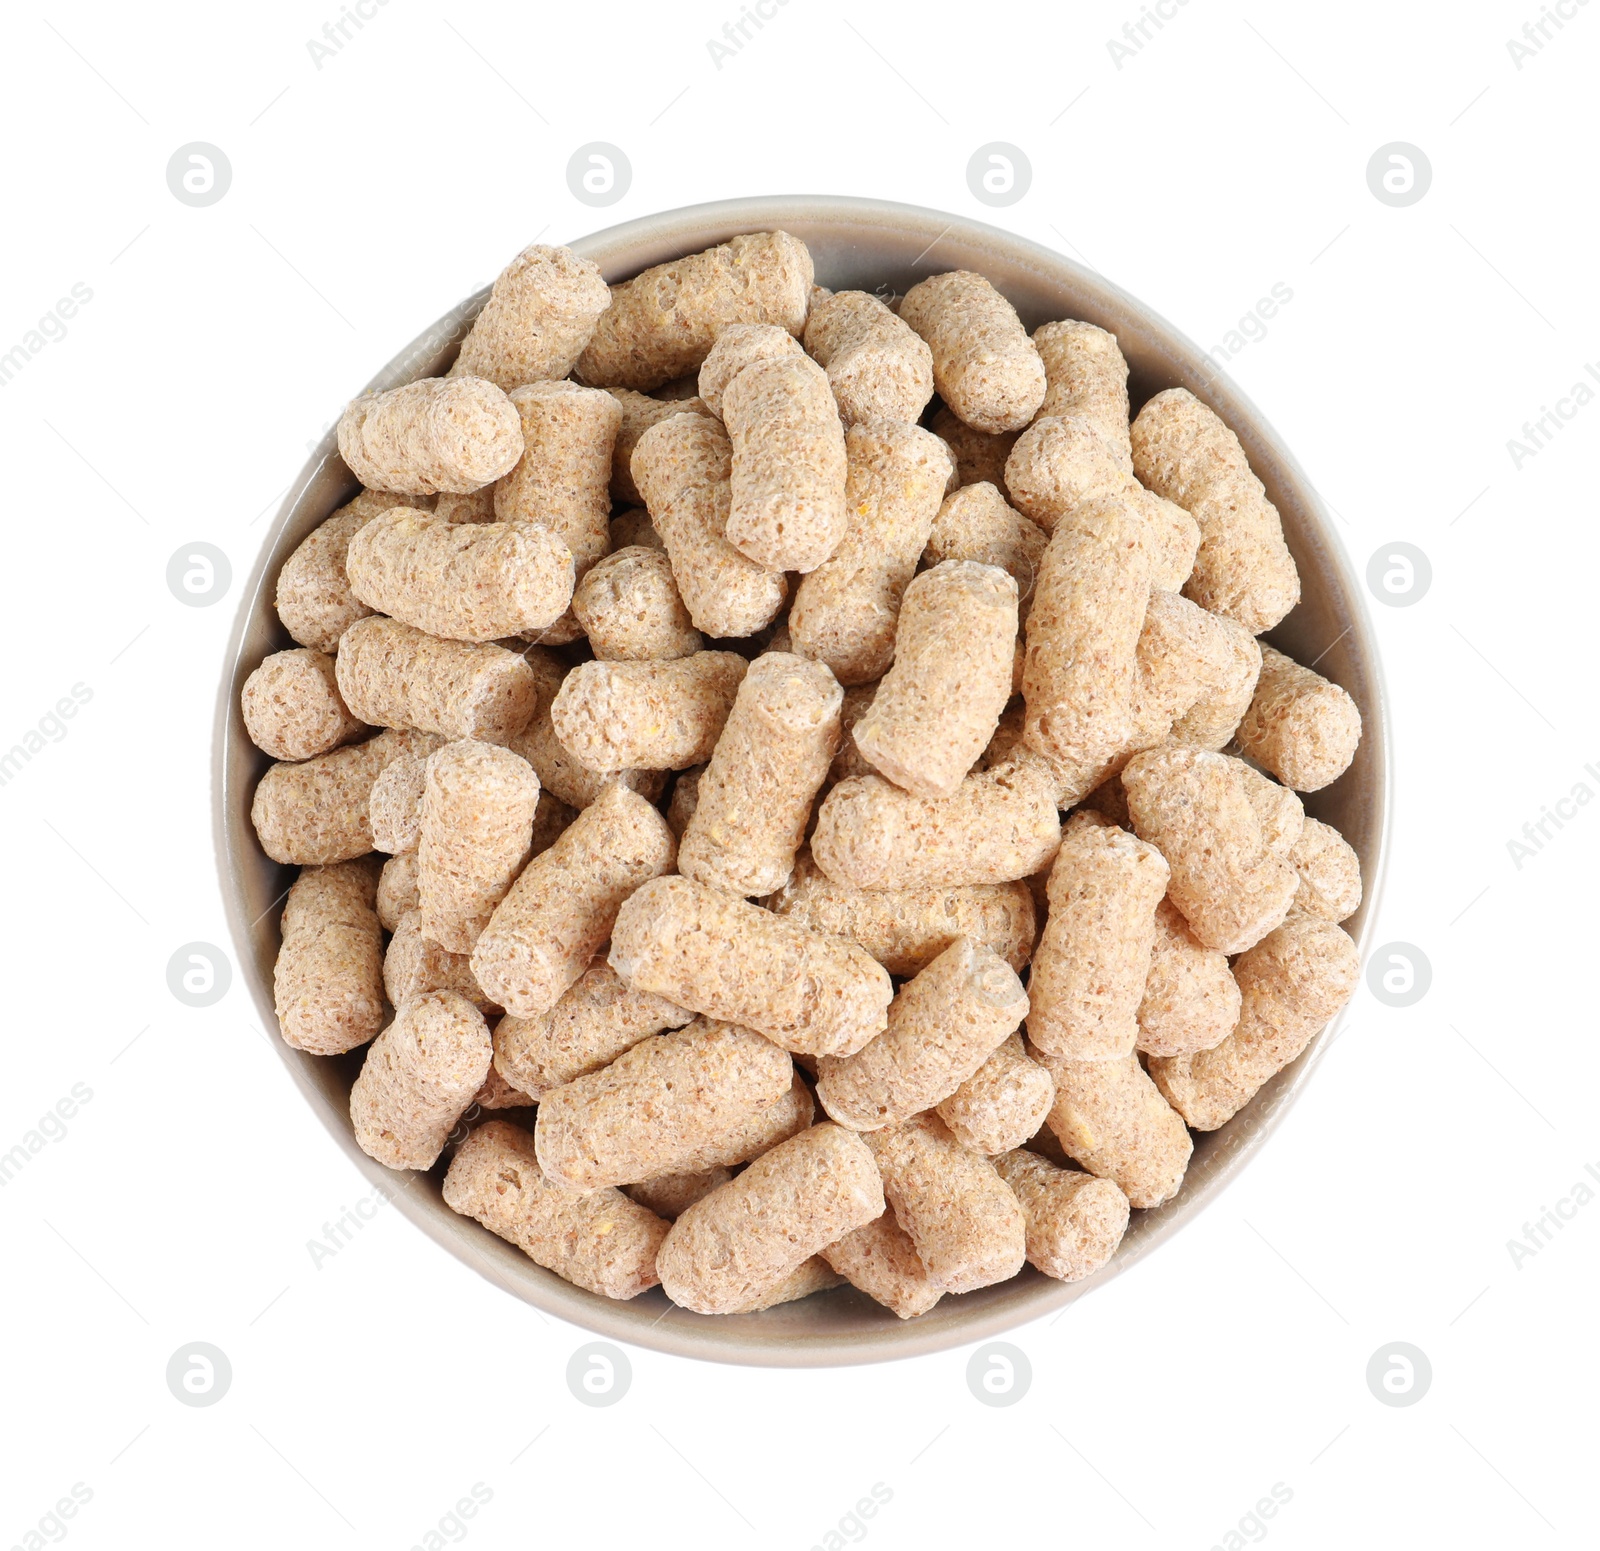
(369, 196)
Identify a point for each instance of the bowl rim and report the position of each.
(734, 1339)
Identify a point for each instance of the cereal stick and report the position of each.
(980, 456)
(397, 889)
(292, 708)
(943, 1025)
(395, 675)
(1290, 984)
(965, 1223)
(1190, 1000)
(540, 314)
(594, 1022)
(755, 795)
(1184, 452)
(1002, 1104)
(810, 1276)
(573, 782)
(477, 827)
(669, 1196)
(1085, 374)
(316, 811)
(985, 366)
(1300, 726)
(881, 1260)
(630, 609)
(559, 911)
(663, 323)
(1075, 1221)
(467, 581)
(658, 1104)
(599, 1240)
(313, 595)
(999, 826)
(394, 807)
(846, 610)
(1329, 871)
(327, 985)
(441, 433)
(1111, 1118)
(413, 964)
(418, 1078)
(639, 413)
(736, 1243)
(738, 963)
(740, 345)
(647, 715)
(878, 367)
(976, 523)
(1090, 968)
(938, 705)
(905, 930)
(1195, 808)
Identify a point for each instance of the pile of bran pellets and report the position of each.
(838, 833)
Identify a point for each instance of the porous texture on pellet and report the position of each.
(965, 1224)
(1078, 678)
(905, 930)
(316, 811)
(561, 908)
(658, 1105)
(943, 1025)
(848, 761)
(413, 964)
(1233, 664)
(633, 528)
(1195, 808)
(735, 1244)
(567, 778)
(985, 366)
(1290, 984)
(477, 829)
(845, 612)
(1085, 374)
(395, 675)
(999, 826)
(313, 595)
(418, 1078)
(595, 1021)
(881, 1260)
(976, 523)
(1001, 1104)
(631, 611)
(878, 366)
(1075, 1220)
(938, 705)
(663, 323)
(1279, 811)
(1300, 726)
(292, 708)
(1190, 1001)
(1183, 451)
(1091, 965)
(1064, 464)
(740, 345)
(754, 797)
(980, 457)
(759, 1132)
(647, 715)
(639, 413)
(685, 799)
(810, 1276)
(787, 483)
(1329, 871)
(669, 1196)
(470, 581)
(472, 506)
(599, 1240)
(395, 805)
(539, 316)
(681, 467)
(1186, 671)
(733, 961)
(1112, 1119)
(397, 889)
(327, 985)
(441, 433)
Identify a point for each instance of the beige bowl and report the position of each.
(861, 244)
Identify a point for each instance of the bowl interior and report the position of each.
(868, 245)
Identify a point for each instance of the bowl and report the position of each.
(860, 244)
